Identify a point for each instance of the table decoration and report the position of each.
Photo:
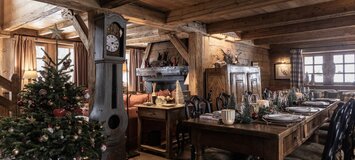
(245, 115)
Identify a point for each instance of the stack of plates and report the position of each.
(282, 117)
(168, 105)
(303, 109)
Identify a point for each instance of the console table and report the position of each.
(167, 115)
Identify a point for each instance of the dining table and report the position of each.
(266, 140)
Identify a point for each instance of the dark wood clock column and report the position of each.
(110, 44)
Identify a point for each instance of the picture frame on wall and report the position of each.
(282, 71)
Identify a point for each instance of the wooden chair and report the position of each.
(222, 101)
(340, 142)
(193, 109)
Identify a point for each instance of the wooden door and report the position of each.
(254, 83)
(238, 85)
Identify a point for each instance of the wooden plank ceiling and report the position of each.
(279, 23)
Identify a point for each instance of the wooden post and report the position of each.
(196, 50)
(91, 63)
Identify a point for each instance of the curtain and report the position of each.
(296, 68)
(80, 64)
(135, 59)
(25, 55)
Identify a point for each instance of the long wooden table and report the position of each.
(270, 142)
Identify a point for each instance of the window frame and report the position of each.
(313, 65)
(343, 65)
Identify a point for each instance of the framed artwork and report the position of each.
(282, 71)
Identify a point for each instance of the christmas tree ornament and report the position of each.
(65, 98)
(50, 130)
(11, 130)
(87, 96)
(103, 148)
(59, 112)
(50, 103)
(75, 137)
(31, 119)
(42, 92)
(15, 151)
(20, 103)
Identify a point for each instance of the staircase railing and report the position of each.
(8, 101)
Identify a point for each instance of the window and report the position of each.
(125, 70)
(344, 68)
(62, 52)
(314, 65)
(39, 58)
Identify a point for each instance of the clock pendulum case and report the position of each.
(110, 46)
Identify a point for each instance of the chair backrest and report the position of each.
(222, 101)
(202, 105)
(191, 110)
(340, 132)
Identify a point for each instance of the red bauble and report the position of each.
(20, 103)
(59, 112)
(78, 111)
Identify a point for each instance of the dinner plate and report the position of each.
(316, 103)
(168, 105)
(303, 109)
(281, 117)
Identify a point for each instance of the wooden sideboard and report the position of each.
(233, 79)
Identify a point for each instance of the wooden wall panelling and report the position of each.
(278, 56)
(196, 52)
(315, 12)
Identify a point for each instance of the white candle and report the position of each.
(299, 95)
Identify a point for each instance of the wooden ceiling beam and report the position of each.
(36, 14)
(139, 30)
(131, 12)
(156, 38)
(309, 36)
(332, 9)
(215, 8)
(180, 46)
(115, 3)
(300, 28)
(321, 43)
(328, 49)
(60, 25)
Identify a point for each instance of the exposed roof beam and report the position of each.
(60, 25)
(315, 12)
(39, 13)
(309, 36)
(180, 46)
(155, 38)
(139, 30)
(115, 3)
(300, 28)
(71, 35)
(328, 49)
(320, 43)
(132, 12)
(214, 8)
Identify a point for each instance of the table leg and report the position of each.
(168, 135)
(198, 152)
(139, 132)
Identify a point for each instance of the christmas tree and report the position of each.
(50, 124)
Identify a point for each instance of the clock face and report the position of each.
(112, 43)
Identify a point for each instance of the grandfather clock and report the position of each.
(110, 43)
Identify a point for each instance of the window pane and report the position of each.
(39, 52)
(308, 69)
(338, 78)
(318, 59)
(308, 60)
(349, 58)
(318, 69)
(318, 78)
(339, 68)
(350, 78)
(338, 59)
(349, 68)
(40, 64)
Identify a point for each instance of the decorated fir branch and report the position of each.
(51, 125)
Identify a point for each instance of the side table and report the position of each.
(167, 115)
